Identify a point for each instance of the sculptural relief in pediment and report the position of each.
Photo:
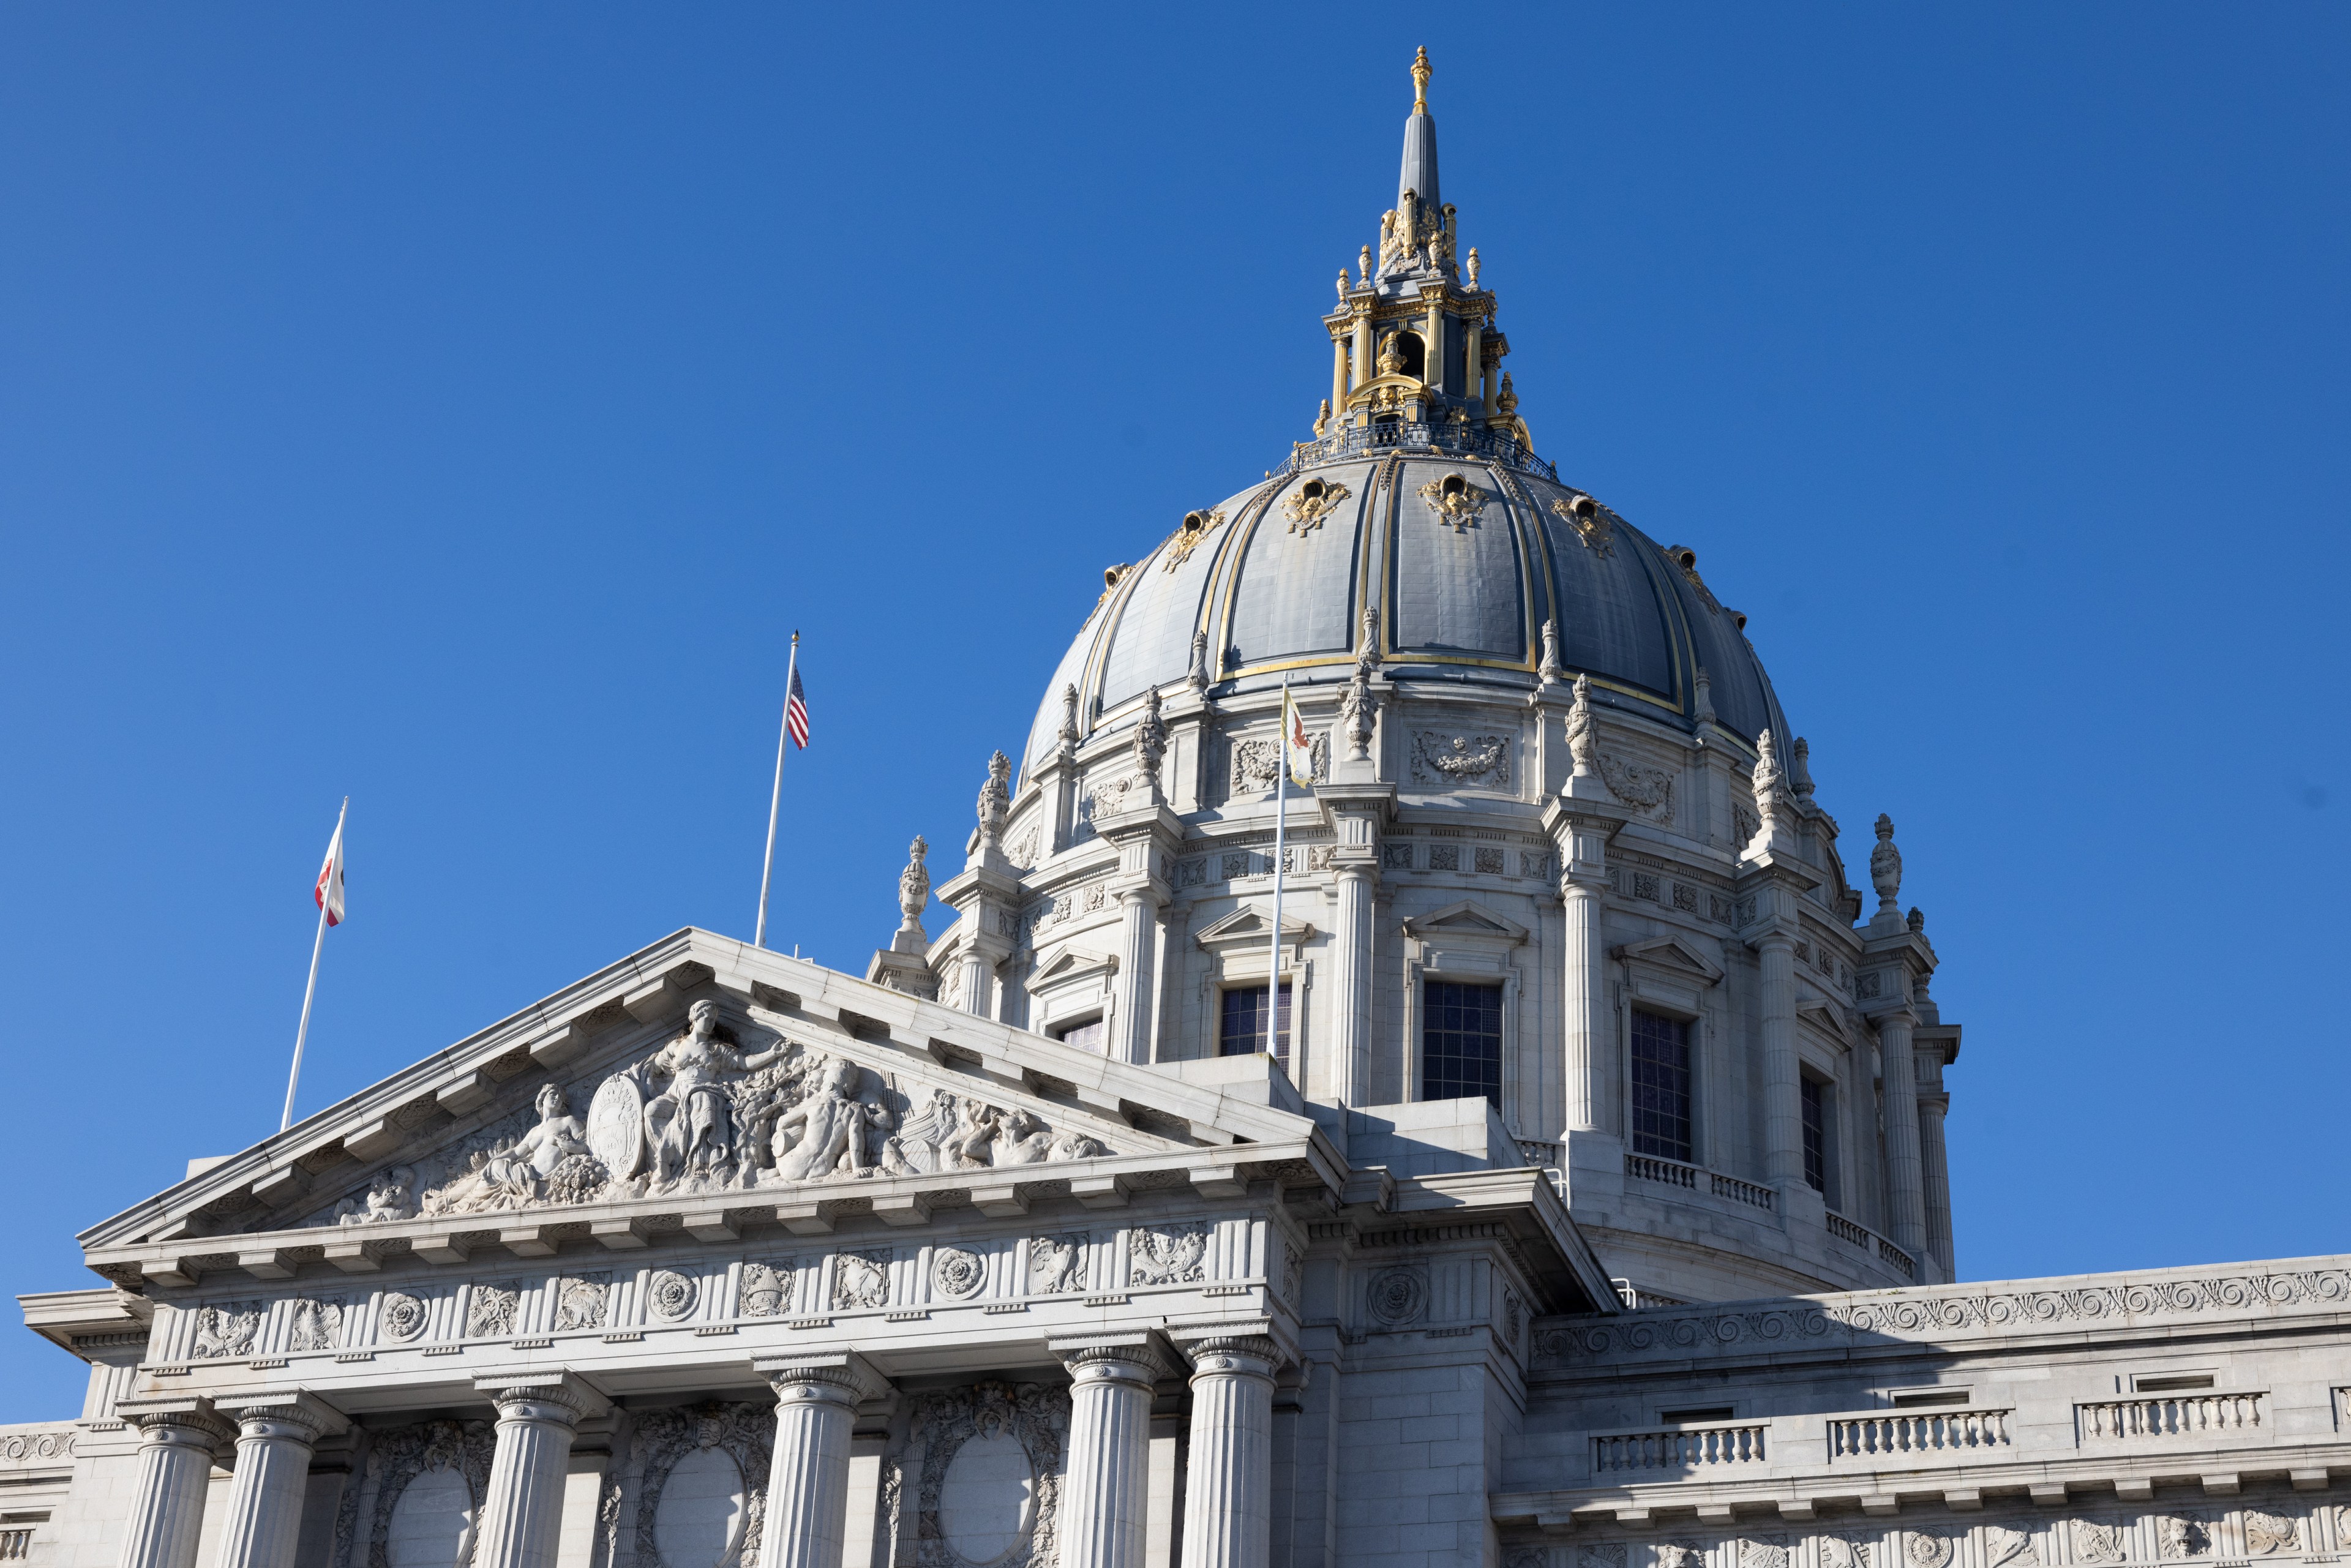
(708, 1114)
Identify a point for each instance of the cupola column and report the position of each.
(1362, 342)
(1938, 1180)
(1338, 376)
(1905, 1187)
(1473, 351)
(1432, 337)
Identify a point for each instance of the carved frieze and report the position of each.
(402, 1316)
(1649, 788)
(490, 1310)
(1168, 1254)
(315, 1324)
(670, 1296)
(861, 1281)
(1057, 1264)
(581, 1302)
(227, 1329)
(711, 1112)
(1254, 763)
(956, 1273)
(1441, 757)
(1397, 1296)
(767, 1289)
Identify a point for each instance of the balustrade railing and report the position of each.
(1698, 1178)
(1673, 1172)
(1738, 1191)
(1678, 1449)
(2170, 1415)
(1915, 1433)
(1900, 1259)
(1844, 1230)
(1409, 435)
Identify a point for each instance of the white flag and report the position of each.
(1297, 746)
(329, 893)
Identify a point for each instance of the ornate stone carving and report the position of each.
(1398, 1295)
(490, 1310)
(1582, 730)
(1848, 1549)
(1702, 698)
(861, 1281)
(1359, 707)
(20, 1446)
(1027, 1419)
(1885, 869)
(914, 895)
(1196, 527)
(316, 1322)
(745, 1433)
(2267, 1532)
(580, 1301)
(1255, 762)
(389, 1198)
(956, 1273)
(766, 1290)
(1771, 792)
(1925, 1548)
(1482, 759)
(1293, 1275)
(1067, 734)
(1681, 1554)
(1458, 503)
(398, 1457)
(670, 1296)
(1527, 1557)
(402, 1316)
(1307, 506)
(1445, 857)
(1770, 1550)
(2006, 1546)
(1168, 1254)
(1591, 525)
(227, 1329)
(2100, 1539)
(1799, 769)
(2183, 1533)
(1650, 788)
(1150, 745)
(1601, 1554)
(549, 1161)
(994, 800)
(1057, 1264)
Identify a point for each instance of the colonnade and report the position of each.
(1105, 1491)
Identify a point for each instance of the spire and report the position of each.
(1420, 174)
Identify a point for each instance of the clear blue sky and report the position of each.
(457, 408)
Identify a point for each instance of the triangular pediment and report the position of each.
(1466, 918)
(1673, 955)
(1059, 965)
(703, 1075)
(1247, 925)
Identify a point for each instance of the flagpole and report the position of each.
(776, 799)
(318, 946)
(1280, 821)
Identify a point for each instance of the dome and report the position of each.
(1462, 547)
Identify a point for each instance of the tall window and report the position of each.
(1461, 1042)
(1816, 1134)
(1242, 1028)
(1661, 1087)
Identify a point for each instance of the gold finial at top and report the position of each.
(1421, 72)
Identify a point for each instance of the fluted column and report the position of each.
(1938, 1181)
(1228, 1471)
(1905, 1189)
(808, 1479)
(177, 1439)
(1138, 956)
(275, 1435)
(1105, 1501)
(1784, 1093)
(1338, 377)
(522, 1512)
(1585, 990)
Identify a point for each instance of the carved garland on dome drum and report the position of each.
(703, 1115)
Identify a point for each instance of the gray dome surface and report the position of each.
(1280, 576)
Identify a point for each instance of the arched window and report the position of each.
(1415, 354)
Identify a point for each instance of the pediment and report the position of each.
(1466, 918)
(1060, 965)
(1673, 955)
(1827, 1017)
(700, 1073)
(1247, 925)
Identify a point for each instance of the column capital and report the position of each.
(187, 1419)
(1142, 1350)
(303, 1415)
(845, 1375)
(545, 1393)
(1250, 1346)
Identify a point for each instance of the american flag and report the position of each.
(796, 712)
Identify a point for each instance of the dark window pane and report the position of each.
(1816, 1141)
(1242, 1028)
(1461, 1042)
(1661, 1087)
(1087, 1035)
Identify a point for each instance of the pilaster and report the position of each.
(1147, 839)
(1776, 880)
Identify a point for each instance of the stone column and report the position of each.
(1784, 1093)
(1363, 345)
(275, 1435)
(1581, 830)
(177, 1439)
(1356, 812)
(1906, 1192)
(1338, 377)
(521, 1518)
(1432, 333)
(1938, 1181)
(1138, 961)
(1106, 1499)
(808, 1480)
(1229, 1475)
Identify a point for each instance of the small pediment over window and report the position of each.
(1246, 926)
(1674, 956)
(1465, 919)
(1061, 965)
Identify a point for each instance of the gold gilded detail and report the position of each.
(1421, 72)
(1196, 527)
(1686, 558)
(1592, 525)
(1311, 502)
(1456, 502)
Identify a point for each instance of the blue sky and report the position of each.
(458, 409)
